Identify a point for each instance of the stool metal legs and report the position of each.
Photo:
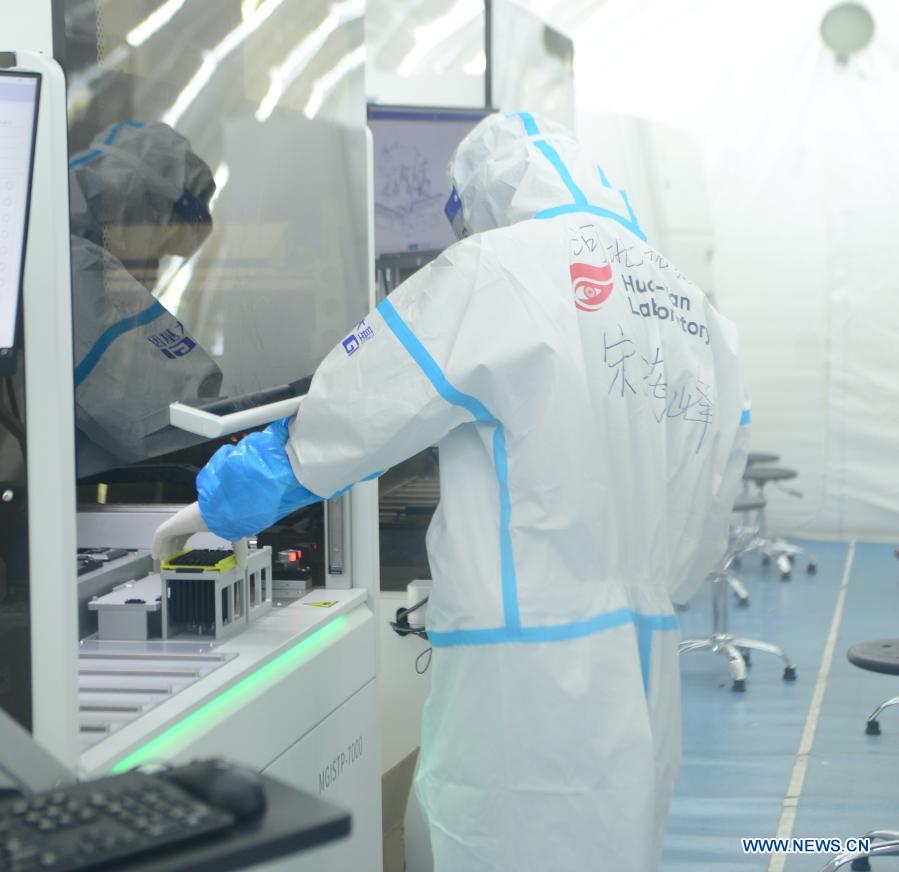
(719, 644)
(739, 589)
(747, 645)
(721, 641)
(859, 859)
(742, 540)
(782, 552)
(872, 725)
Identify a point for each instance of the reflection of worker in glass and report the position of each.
(573, 506)
(137, 194)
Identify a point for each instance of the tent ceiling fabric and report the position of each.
(800, 163)
(566, 15)
(667, 58)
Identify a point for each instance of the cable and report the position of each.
(418, 667)
(414, 608)
(401, 625)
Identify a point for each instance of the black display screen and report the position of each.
(19, 96)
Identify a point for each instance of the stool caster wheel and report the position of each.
(861, 864)
(747, 658)
(812, 568)
(785, 565)
(742, 602)
(737, 562)
(872, 728)
(681, 607)
(739, 685)
(789, 673)
(766, 560)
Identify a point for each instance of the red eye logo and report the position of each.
(591, 285)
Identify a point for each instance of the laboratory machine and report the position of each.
(185, 232)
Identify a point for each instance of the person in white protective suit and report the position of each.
(138, 193)
(589, 410)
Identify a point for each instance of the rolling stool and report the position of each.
(782, 552)
(757, 457)
(740, 535)
(879, 656)
(722, 641)
(889, 846)
(754, 458)
(743, 537)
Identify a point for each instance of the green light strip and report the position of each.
(234, 697)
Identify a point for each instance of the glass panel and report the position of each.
(532, 64)
(218, 204)
(412, 148)
(427, 53)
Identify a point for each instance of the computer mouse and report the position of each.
(230, 788)
(238, 791)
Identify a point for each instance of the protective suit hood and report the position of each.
(518, 166)
(141, 192)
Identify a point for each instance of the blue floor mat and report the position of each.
(740, 749)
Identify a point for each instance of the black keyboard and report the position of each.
(102, 824)
(201, 557)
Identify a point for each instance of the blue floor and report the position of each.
(740, 749)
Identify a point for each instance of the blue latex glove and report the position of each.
(249, 486)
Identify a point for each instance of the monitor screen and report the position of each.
(412, 147)
(18, 122)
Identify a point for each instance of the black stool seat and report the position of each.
(879, 656)
(764, 474)
(761, 457)
(749, 504)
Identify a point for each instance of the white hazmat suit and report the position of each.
(588, 406)
(137, 194)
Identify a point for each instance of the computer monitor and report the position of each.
(412, 147)
(19, 96)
